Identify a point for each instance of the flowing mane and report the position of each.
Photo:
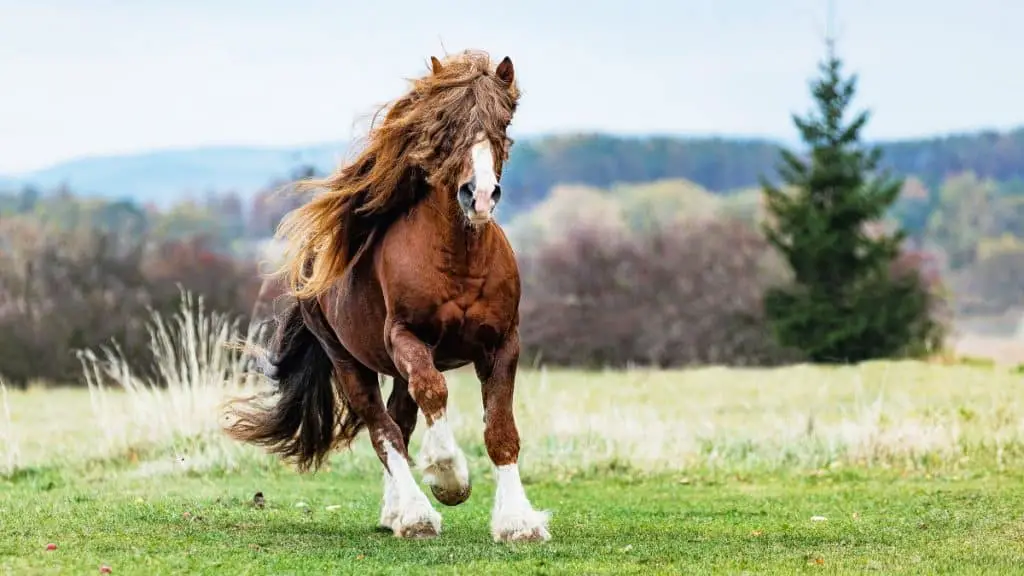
(425, 137)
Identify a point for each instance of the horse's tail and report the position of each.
(310, 417)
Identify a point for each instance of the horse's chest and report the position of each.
(467, 322)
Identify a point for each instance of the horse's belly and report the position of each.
(357, 315)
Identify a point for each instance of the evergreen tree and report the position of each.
(844, 304)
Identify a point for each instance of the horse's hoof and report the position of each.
(531, 526)
(420, 530)
(537, 534)
(422, 523)
(450, 497)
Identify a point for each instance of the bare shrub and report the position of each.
(927, 267)
(687, 295)
(61, 290)
(225, 283)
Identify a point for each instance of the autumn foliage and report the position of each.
(673, 296)
(62, 291)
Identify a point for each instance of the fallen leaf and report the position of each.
(756, 532)
(855, 515)
(301, 505)
(332, 507)
(361, 556)
(104, 569)
(818, 519)
(51, 546)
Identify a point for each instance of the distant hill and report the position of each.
(535, 167)
(165, 176)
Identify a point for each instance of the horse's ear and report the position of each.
(506, 73)
(435, 65)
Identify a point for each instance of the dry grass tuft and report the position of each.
(10, 452)
(177, 408)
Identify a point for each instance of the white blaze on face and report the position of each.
(482, 158)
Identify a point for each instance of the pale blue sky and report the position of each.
(93, 77)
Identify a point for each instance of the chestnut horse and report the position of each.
(397, 267)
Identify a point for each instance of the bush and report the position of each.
(672, 297)
(66, 290)
(900, 312)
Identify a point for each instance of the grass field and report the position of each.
(887, 467)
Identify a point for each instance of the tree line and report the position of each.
(725, 165)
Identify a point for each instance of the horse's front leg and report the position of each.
(513, 518)
(443, 463)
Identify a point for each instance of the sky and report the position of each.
(99, 77)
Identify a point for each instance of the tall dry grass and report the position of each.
(10, 451)
(883, 414)
(175, 409)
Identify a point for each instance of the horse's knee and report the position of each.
(429, 390)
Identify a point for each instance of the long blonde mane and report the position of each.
(425, 135)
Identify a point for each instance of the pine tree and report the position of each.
(844, 304)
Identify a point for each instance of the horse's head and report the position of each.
(464, 109)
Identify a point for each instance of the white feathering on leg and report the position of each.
(513, 518)
(415, 517)
(443, 463)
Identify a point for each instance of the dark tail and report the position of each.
(310, 417)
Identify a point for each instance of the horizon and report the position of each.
(177, 76)
(283, 147)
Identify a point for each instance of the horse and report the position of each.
(397, 267)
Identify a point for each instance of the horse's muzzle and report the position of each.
(478, 204)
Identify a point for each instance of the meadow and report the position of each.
(891, 467)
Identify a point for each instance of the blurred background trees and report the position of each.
(653, 251)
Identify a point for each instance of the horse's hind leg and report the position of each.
(443, 463)
(409, 513)
(403, 410)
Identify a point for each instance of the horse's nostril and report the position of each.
(466, 194)
(496, 195)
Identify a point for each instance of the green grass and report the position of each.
(610, 525)
(917, 469)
